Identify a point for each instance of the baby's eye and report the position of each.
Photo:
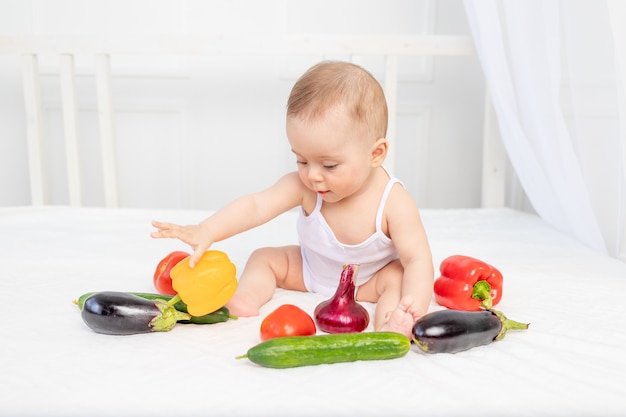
(331, 166)
(300, 162)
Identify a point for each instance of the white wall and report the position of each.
(197, 132)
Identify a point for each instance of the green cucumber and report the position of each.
(293, 351)
(217, 316)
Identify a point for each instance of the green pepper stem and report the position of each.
(174, 300)
(482, 292)
(508, 324)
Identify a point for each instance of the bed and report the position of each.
(569, 362)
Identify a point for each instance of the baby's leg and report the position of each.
(266, 269)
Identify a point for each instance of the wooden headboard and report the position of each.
(30, 48)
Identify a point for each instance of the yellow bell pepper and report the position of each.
(207, 286)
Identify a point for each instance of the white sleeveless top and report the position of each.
(323, 256)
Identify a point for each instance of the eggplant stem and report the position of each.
(508, 324)
(168, 316)
(482, 292)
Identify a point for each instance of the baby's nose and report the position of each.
(315, 174)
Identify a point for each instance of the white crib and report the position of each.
(31, 48)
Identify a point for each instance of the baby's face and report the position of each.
(332, 152)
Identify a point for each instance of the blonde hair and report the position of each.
(332, 83)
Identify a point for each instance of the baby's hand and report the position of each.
(192, 235)
(402, 319)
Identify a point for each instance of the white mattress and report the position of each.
(570, 362)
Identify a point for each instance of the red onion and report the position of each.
(341, 313)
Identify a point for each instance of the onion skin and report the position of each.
(341, 313)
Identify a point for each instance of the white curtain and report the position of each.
(552, 69)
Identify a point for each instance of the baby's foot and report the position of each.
(402, 319)
(240, 306)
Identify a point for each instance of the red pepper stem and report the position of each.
(482, 292)
(174, 300)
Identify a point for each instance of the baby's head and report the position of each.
(340, 85)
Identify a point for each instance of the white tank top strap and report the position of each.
(318, 204)
(383, 201)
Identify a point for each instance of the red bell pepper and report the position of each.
(467, 284)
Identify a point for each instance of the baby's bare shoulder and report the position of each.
(401, 200)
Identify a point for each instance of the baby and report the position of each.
(351, 209)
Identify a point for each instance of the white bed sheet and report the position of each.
(570, 362)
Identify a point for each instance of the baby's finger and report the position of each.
(158, 224)
(166, 230)
(197, 254)
(164, 225)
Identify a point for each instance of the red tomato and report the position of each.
(287, 320)
(162, 279)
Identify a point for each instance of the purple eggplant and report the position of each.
(121, 313)
(451, 331)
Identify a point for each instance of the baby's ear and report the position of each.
(379, 152)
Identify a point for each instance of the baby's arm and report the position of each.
(409, 236)
(238, 216)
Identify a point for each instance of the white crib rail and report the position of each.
(34, 127)
(30, 47)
